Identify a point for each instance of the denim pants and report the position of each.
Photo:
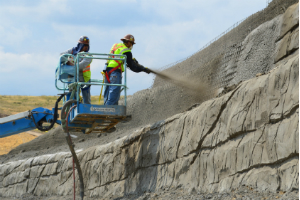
(86, 94)
(112, 93)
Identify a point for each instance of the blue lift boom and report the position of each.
(85, 118)
(22, 122)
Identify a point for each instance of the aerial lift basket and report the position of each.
(89, 118)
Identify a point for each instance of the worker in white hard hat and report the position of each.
(114, 69)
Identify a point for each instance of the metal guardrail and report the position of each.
(92, 81)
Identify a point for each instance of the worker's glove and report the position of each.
(104, 70)
(148, 71)
(64, 60)
(70, 63)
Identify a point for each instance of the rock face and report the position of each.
(247, 137)
(239, 55)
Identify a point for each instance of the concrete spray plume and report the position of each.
(196, 88)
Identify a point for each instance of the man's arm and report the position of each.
(84, 63)
(64, 59)
(69, 51)
(132, 65)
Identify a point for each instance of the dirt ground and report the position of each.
(11, 142)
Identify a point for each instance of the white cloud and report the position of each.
(21, 22)
(40, 64)
(40, 10)
(12, 36)
(27, 74)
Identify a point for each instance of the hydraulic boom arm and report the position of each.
(26, 121)
(29, 120)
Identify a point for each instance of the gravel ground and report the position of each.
(243, 193)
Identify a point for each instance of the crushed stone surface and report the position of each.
(243, 193)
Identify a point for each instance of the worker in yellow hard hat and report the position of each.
(114, 69)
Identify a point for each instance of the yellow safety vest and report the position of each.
(87, 72)
(118, 48)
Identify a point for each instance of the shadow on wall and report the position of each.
(142, 168)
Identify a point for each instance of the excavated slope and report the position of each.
(248, 136)
(237, 56)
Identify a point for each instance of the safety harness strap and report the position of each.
(113, 69)
(119, 63)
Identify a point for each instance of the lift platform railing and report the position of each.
(73, 76)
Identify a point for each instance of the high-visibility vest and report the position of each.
(87, 72)
(118, 48)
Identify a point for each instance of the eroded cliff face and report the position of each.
(248, 136)
(237, 56)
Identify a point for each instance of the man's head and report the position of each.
(86, 43)
(128, 40)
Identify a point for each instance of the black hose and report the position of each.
(67, 104)
(68, 137)
(47, 128)
(64, 111)
(69, 141)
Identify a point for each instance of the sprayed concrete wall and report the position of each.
(237, 139)
(237, 56)
(248, 136)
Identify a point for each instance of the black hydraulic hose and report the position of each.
(68, 137)
(67, 104)
(69, 141)
(41, 128)
(64, 111)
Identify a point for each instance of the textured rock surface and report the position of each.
(294, 41)
(290, 19)
(248, 137)
(221, 64)
(239, 55)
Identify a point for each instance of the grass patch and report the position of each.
(10, 105)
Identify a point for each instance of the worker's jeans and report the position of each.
(112, 93)
(86, 95)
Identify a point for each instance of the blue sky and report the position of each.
(33, 33)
